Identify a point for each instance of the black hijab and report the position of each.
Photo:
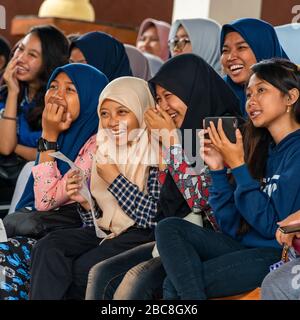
(206, 94)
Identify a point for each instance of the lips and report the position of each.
(21, 69)
(254, 114)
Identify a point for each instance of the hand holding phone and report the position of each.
(292, 228)
(229, 124)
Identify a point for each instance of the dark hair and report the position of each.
(4, 49)
(283, 75)
(55, 50)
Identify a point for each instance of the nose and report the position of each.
(251, 101)
(164, 104)
(232, 55)
(113, 121)
(20, 57)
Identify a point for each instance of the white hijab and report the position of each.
(135, 158)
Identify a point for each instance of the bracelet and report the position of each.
(8, 118)
(2, 116)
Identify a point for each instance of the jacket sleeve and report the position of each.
(263, 208)
(221, 199)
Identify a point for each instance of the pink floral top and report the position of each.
(50, 185)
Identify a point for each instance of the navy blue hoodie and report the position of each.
(261, 207)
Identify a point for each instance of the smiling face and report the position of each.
(266, 105)
(63, 92)
(173, 105)
(237, 58)
(29, 59)
(118, 119)
(149, 41)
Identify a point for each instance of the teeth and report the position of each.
(116, 133)
(236, 66)
(173, 115)
(255, 113)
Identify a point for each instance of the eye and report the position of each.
(168, 95)
(224, 50)
(32, 55)
(104, 114)
(248, 95)
(242, 47)
(260, 90)
(71, 89)
(53, 86)
(158, 99)
(123, 112)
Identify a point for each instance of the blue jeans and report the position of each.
(105, 277)
(202, 264)
(283, 283)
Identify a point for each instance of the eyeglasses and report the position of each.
(179, 44)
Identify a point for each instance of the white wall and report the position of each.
(187, 9)
(222, 11)
(225, 11)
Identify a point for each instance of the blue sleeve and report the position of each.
(262, 209)
(221, 199)
(26, 136)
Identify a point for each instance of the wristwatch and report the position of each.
(45, 145)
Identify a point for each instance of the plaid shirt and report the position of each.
(141, 207)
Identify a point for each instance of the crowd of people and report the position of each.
(177, 210)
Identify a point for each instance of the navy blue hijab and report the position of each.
(262, 39)
(89, 83)
(105, 53)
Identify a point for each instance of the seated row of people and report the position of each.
(180, 89)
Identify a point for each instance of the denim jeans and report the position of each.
(283, 283)
(105, 277)
(202, 264)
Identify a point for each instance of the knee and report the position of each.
(167, 226)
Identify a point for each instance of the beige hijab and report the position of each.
(133, 160)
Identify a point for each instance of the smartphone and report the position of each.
(291, 228)
(229, 124)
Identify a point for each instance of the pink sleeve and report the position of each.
(50, 186)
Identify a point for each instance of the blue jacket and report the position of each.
(261, 207)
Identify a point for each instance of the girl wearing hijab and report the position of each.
(125, 187)
(153, 38)
(263, 164)
(138, 62)
(187, 90)
(103, 52)
(198, 36)
(289, 35)
(241, 47)
(69, 123)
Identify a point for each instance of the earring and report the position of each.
(288, 109)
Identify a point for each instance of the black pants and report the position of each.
(61, 261)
